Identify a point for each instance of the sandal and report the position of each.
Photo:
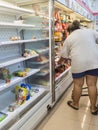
(95, 112)
(70, 104)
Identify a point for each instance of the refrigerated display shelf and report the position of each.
(40, 63)
(15, 80)
(59, 83)
(22, 109)
(43, 66)
(37, 86)
(13, 60)
(30, 33)
(40, 86)
(61, 75)
(12, 9)
(42, 74)
(17, 25)
(21, 26)
(42, 50)
(23, 41)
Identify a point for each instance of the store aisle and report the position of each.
(62, 117)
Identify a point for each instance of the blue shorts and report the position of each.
(93, 72)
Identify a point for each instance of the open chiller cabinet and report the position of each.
(64, 14)
(26, 60)
(63, 77)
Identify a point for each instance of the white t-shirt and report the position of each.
(80, 46)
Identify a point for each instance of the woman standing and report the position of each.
(80, 46)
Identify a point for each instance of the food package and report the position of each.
(20, 73)
(29, 52)
(2, 116)
(58, 36)
(28, 87)
(5, 74)
(21, 94)
(57, 15)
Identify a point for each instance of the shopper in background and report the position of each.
(80, 46)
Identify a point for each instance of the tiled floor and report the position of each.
(62, 117)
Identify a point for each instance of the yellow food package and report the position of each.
(58, 36)
(21, 94)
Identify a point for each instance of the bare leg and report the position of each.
(78, 83)
(92, 90)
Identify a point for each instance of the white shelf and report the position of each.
(6, 7)
(22, 41)
(15, 80)
(40, 63)
(13, 60)
(62, 74)
(14, 114)
(38, 86)
(42, 50)
(21, 26)
(42, 74)
(43, 66)
(13, 25)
